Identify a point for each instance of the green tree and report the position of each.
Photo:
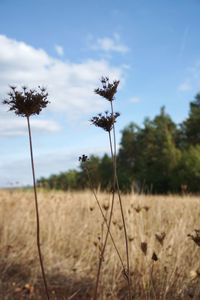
(149, 155)
(128, 154)
(92, 165)
(188, 169)
(191, 127)
(105, 172)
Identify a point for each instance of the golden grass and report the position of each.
(71, 234)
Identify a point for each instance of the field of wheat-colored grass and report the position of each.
(71, 234)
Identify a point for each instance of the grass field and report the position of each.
(71, 233)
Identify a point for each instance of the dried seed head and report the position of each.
(160, 236)
(120, 226)
(195, 237)
(143, 247)
(106, 206)
(95, 243)
(108, 89)
(146, 208)
(114, 222)
(138, 209)
(105, 121)
(154, 257)
(83, 158)
(130, 238)
(27, 102)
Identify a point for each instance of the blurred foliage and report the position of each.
(158, 157)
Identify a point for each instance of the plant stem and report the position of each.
(108, 230)
(105, 219)
(121, 205)
(37, 212)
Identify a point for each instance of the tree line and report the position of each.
(158, 157)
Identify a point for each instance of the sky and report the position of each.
(152, 47)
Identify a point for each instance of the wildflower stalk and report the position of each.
(37, 211)
(114, 159)
(26, 103)
(104, 218)
(108, 230)
(107, 122)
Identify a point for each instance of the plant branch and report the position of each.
(105, 219)
(121, 205)
(108, 230)
(37, 212)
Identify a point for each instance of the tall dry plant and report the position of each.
(107, 121)
(26, 103)
(84, 159)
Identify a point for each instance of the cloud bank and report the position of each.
(70, 85)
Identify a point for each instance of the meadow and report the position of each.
(165, 261)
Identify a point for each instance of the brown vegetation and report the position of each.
(164, 260)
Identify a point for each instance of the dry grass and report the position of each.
(71, 234)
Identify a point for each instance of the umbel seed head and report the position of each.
(108, 89)
(105, 121)
(27, 102)
(83, 158)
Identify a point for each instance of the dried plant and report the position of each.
(83, 159)
(106, 206)
(195, 237)
(154, 256)
(107, 123)
(108, 89)
(171, 277)
(144, 247)
(138, 209)
(160, 236)
(26, 103)
(146, 208)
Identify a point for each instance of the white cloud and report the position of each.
(18, 126)
(135, 100)
(109, 44)
(59, 50)
(70, 85)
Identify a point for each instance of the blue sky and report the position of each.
(153, 47)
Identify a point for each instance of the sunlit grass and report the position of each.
(71, 234)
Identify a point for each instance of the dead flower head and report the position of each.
(143, 247)
(105, 121)
(108, 89)
(27, 102)
(195, 237)
(160, 236)
(83, 158)
(154, 257)
(138, 209)
(105, 206)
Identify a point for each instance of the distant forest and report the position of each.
(160, 157)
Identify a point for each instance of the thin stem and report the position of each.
(105, 219)
(37, 212)
(114, 139)
(121, 205)
(126, 238)
(108, 230)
